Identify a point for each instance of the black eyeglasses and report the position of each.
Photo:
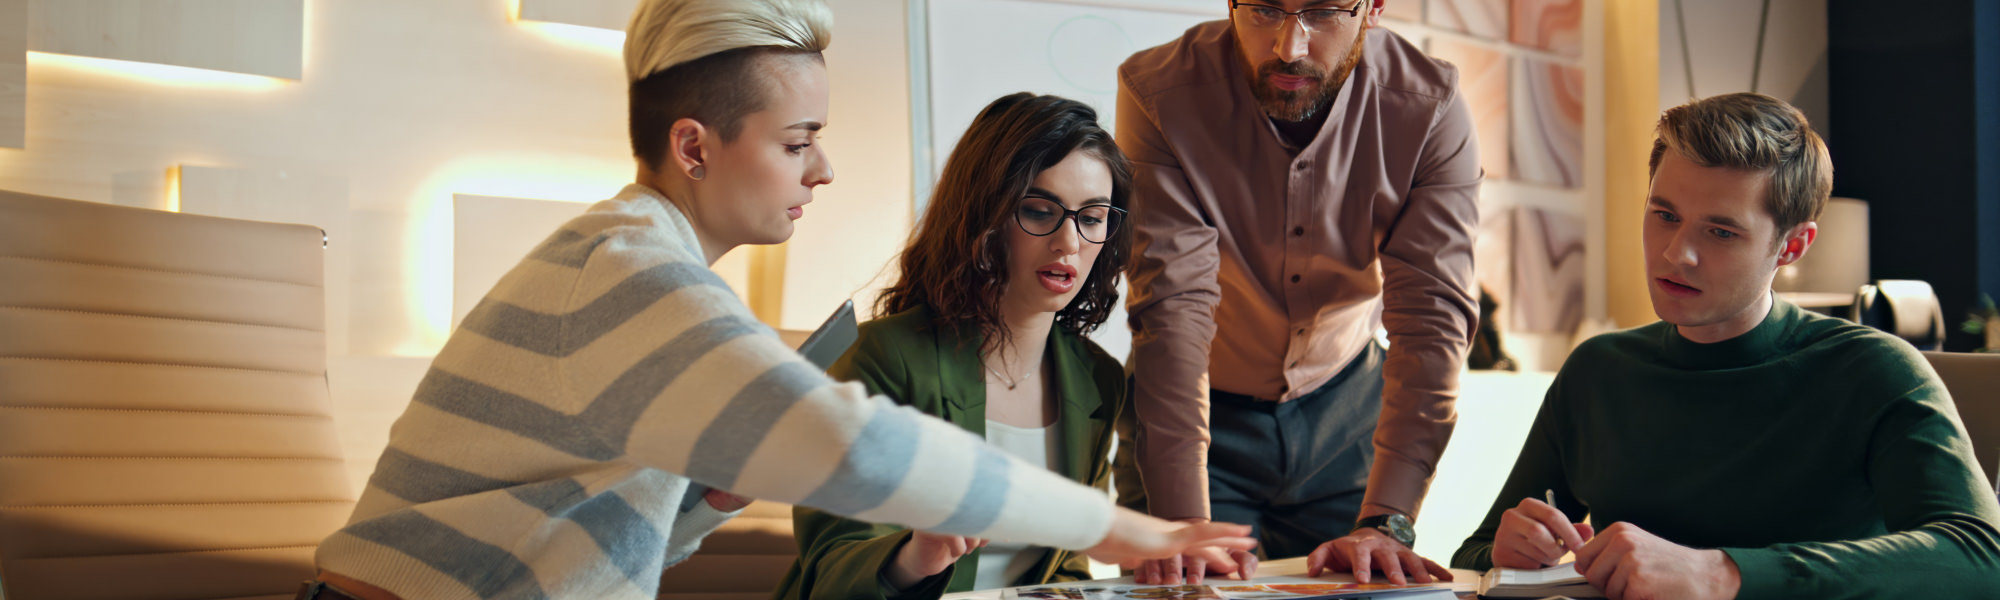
(1317, 20)
(1042, 216)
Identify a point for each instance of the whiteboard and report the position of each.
(980, 50)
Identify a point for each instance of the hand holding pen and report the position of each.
(1534, 534)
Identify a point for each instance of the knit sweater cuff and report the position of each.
(1762, 572)
(691, 526)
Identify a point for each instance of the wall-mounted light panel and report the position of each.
(603, 14)
(258, 37)
(13, 73)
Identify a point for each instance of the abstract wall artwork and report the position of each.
(1482, 18)
(1404, 10)
(1530, 259)
(1548, 122)
(1482, 79)
(1552, 25)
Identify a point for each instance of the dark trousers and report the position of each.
(1295, 471)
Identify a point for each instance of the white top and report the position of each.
(1001, 564)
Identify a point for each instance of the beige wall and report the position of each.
(409, 102)
(1631, 95)
(413, 103)
(856, 224)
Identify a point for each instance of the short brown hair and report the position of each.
(956, 262)
(1753, 132)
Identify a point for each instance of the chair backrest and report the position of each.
(165, 427)
(743, 560)
(1905, 308)
(1974, 383)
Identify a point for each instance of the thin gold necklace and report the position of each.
(1003, 378)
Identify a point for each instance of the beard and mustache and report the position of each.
(1304, 103)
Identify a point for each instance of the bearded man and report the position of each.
(1301, 180)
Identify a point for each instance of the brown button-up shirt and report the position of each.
(1261, 272)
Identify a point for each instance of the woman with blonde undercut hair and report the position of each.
(556, 446)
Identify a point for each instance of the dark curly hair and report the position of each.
(956, 261)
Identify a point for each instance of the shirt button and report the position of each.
(1299, 166)
(1295, 279)
(1302, 332)
(1296, 231)
(1295, 364)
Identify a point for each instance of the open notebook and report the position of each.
(1559, 580)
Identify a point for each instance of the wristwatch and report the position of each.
(1395, 525)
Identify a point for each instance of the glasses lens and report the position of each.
(1038, 216)
(1096, 222)
(1260, 16)
(1322, 19)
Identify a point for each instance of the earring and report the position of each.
(698, 172)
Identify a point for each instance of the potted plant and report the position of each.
(1985, 318)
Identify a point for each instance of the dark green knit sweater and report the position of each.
(1824, 457)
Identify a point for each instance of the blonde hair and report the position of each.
(1758, 133)
(666, 33)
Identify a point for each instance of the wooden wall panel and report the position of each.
(603, 14)
(13, 73)
(259, 37)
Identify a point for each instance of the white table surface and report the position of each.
(1290, 570)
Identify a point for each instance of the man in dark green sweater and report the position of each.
(1742, 447)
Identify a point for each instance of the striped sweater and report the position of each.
(547, 452)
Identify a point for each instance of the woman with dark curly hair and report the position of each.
(1017, 258)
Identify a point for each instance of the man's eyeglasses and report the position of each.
(1096, 223)
(1317, 20)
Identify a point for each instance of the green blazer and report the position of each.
(903, 356)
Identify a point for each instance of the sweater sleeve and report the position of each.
(1538, 469)
(1936, 503)
(692, 526)
(844, 558)
(669, 370)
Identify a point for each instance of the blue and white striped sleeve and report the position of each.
(671, 371)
